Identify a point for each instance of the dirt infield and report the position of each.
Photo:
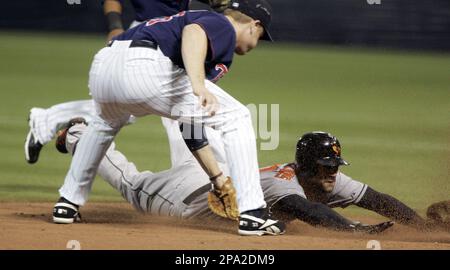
(118, 226)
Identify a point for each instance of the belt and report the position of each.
(139, 43)
(195, 194)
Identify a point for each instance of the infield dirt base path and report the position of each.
(118, 226)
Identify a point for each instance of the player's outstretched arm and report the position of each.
(390, 207)
(318, 214)
(113, 13)
(315, 214)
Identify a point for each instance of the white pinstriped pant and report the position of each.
(46, 122)
(140, 81)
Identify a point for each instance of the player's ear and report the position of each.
(258, 25)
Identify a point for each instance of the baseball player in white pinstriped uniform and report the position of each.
(182, 190)
(161, 67)
(44, 123)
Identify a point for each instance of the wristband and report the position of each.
(114, 20)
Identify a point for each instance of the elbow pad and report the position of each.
(194, 136)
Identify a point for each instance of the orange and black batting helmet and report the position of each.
(318, 148)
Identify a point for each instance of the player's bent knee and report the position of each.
(241, 115)
(244, 112)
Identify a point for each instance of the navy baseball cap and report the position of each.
(258, 10)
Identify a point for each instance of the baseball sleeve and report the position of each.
(221, 37)
(346, 191)
(390, 207)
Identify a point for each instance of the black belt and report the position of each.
(195, 194)
(140, 43)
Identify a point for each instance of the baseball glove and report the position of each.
(223, 202)
(439, 214)
(219, 5)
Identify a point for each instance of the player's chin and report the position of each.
(328, 187)
(328, 184)
(241, 50)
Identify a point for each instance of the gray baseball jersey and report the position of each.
(279, 181)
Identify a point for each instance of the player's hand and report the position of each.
(438, 216)
(207, 100)
(114, 33)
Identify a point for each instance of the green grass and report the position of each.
(390, 109)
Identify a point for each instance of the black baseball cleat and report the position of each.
(65, 212)
(259, 222)
(61, 135)
(32, 148)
